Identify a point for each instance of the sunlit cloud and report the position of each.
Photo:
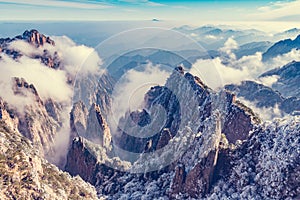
(142, 2)
(59, 3)
(279, 10)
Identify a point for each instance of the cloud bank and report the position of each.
(48, 82)
(76, 58)
(220, 71)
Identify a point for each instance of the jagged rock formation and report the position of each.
(81, 161)
(182, 158)
(36, 39)
(97, 128)
(90, 124)
(93, 89)
(40, 120)
(25, 175)
(33, 37)
(238, 121)
(78, 118)
(249, 170)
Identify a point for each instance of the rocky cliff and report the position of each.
(39, 121)
(198, 128)
(184, 98)
(25, 175)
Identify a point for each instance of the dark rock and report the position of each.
(81, 162)
(179, 180)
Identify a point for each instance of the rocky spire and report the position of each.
(36, 38)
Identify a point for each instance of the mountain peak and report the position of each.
(36, 38)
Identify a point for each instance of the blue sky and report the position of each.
(191, 10)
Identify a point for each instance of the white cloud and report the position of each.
(74, 58)
(77, 58)
(61, 140)
(48, 82)
(230, 45)
(269, 80)
(130, 90)
(267, 114)
(212, 37)
(24, 47)
(278, 9)
(281, 60)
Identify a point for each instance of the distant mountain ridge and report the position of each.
(282, 47)
(264, 97)
(289, 79)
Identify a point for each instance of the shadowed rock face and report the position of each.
(238, 122)
(198, 181)
(81, 161)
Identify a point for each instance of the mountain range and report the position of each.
(187, 141)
